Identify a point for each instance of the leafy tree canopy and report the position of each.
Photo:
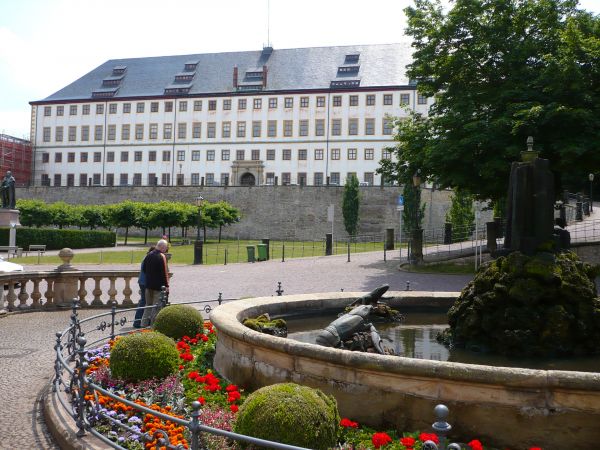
(350, 205)
(501, 70)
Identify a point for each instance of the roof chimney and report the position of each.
(264, 76)
(235, 77)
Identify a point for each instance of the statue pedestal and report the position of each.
(9, 217)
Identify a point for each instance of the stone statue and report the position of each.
(8, 191)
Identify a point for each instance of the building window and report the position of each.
(320, 102)
(83, 180)
(225, 155)
(152, 155)
(124, 179)
(369, 178)
(126, 108)
(47, 111)
(303, 129)
(273, 102)
(352, 153)
(334, 178)
(57, 179)
(318, 153)
(319, 127)
(335, 153)
(112, 132)
(96, 179)
(387, 99)
(270, 154)
(288, 102)
(224, 179)
(302, 154)
(166, 179)
(302, 178)
(421, 99)
(370, 99)
(71, 157)
(288, 128)
(125, 129)
(318, 179)
(137, 179)
(45, 179)
(336, 127)
(240, 155)
(210, 179)
(257, 104)
(255, 155)
(212, 105)
(166, 155)
(112, 108)
(180, 179)
(287, 154)
(152, 179)
(85, 133)
(137, 156)
(354, 100)
(139, 107)
(110, 156)
(110, 179)
(256, 128)
(270, 178)
(124, 156)
(83, 157)
(97, 157)
(181, 130)
(196, 130)
(226, 129)
(241, 103)
(58, 157)
(197, 105)
(351, 175)
(85, 110)
(153, 131)
(369, 153)
(168, 131)
(337, 100)
(388, 126)
(404, 99)
(180, 155)
(226, 104)
(46, 137)
(272, 128)
(386, 153)
(60, 110)
(303, 102)
(352, 127)
(98, 132)
(286, 178)
(169, 106)
(210, 155)
(58, 134)
(182, 106)
(369, 126)
(154, 107)
(195, 155)
(72, 110)
(241, 129)
(45, 157)
(211, 130)
(195, 179)
(139, 131)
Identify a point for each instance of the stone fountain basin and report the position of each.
(503, 407)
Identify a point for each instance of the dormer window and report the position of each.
(119, 70)
(184, 77)
(111, 82)
(190, 66)
(352, 58)
(348, 70)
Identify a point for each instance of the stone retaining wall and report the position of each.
(503, 407)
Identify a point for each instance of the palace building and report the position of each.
(304, 116)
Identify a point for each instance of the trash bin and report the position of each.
(250, 250)
(262, 252)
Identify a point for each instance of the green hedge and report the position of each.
(55, 239)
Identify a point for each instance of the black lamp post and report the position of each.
(198, 245)
(591, 178)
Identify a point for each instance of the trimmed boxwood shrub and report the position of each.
(177, 321)
(55, 239)
(145, 355)
(290, 414)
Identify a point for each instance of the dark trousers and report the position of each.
(139, 313)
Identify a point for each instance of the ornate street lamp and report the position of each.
(591, 178)
(198, 245)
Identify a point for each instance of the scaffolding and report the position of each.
(16, 156)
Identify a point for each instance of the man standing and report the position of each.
(157, 275)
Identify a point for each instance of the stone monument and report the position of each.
(9, 216)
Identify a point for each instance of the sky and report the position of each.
(47, 44)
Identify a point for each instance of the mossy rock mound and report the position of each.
(290, 414)
(177, 321)
(519, 305)
(142, 356)
(264, 324)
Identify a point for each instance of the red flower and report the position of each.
(180, 366)
(380, 439)
(475, 445)
(233, 396)
(202, 400)
(408, 442)
(429, 437)
(193, 375)
(231, 388)
(347, 423)
(204, 337)
(535, 448)
(234, 408)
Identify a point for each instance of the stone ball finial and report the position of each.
(66, 255)
(441, 412)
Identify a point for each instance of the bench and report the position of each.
(11, 250)
(39, 248)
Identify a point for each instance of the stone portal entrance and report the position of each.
(247, 179)
(247, 173)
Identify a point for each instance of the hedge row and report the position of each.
(55, 239)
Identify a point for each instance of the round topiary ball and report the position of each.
(177, 321)
(290, 414)
(142, 356)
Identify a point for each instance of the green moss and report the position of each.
(177, 321)
(264, 324)
(141, 356)
(290, 414)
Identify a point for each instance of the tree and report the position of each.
(461, 215)
(350, 205)
(63, 214)
(123, 215)
(34, 213)
(501, 70)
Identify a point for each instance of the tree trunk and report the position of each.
(204, 236)
(145, 236)
(220, 228)
(126, 234)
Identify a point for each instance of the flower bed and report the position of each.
(197, 381)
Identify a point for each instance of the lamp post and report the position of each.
(591, 178)
(417, 232)
(198, 245)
